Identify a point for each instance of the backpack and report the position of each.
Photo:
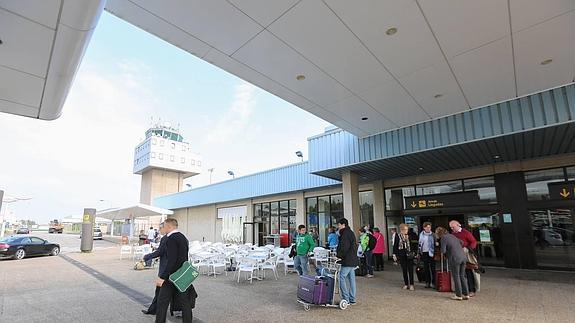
(372, 242)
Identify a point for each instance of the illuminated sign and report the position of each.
(437, 201)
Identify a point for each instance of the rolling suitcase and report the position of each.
(443, 279)
(362, 270)
(312, 290)
(419, 273)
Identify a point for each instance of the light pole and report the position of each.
(210, 170)
(231, 173)
(299, 154)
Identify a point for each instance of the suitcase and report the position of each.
(443, 279)
(312, 290)
(330, 281)
(419, 273)
(362, 270)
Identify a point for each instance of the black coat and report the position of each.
(347, 248)
(176, 254)
(413, 244)
(160, 252)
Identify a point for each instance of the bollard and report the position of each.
(87, 243)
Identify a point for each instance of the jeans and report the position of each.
(347, 276)
(459, 278)
(407, 268)
(300, 264)
(470, 280)
(378, 261)
(428, 268)
(369, 262)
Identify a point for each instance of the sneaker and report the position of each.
(471, 294)
(411, 287)
(352, 303)
(465, 297)
(456, 298)
(405, 287)
(369, 276)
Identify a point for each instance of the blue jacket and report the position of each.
(332, 239)
(160, 252)
(431, 240)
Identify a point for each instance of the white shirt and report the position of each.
(173, 231)
(151, 234)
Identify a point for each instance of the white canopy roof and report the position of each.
(133, 212)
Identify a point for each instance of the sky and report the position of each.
(127, 77)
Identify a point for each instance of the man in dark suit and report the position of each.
(177, 254)
(161, 253)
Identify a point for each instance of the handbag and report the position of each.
(292, 252)
(184, 277)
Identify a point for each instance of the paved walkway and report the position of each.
(99, 287)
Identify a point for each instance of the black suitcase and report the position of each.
(362, 270)
(419, 272)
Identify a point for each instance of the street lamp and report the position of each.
(231, 173)
(299, 154)
(211, 170)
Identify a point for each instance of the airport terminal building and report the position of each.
(444, 110)
(506, 171)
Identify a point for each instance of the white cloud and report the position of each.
(236, 119)
(85, 155)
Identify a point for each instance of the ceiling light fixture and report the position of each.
(391, 31)
(300, 77)
(364, 118)
(437, 96)
(420, 168)
(496, 157)
(547, 61)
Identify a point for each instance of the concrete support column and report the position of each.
(249, 229)
(300, 213)
(351, 199)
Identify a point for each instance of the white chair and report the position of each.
(125, 250)
(138, 253)
(270, 264)
(218, 261)
(320, 255)
(248, 266)
(289, 264)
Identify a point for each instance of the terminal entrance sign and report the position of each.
(437, 201)
(562, 190)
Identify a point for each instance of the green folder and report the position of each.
(184, 277)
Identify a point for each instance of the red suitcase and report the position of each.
(443, 279)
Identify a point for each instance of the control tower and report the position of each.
(164, 160)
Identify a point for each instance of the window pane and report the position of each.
(536, 182)
(311, 205)
(324, 224)
(486, 228)
(571, 173)
(439, 188)
(292, 224)
(485, 186)
(336, 203)
(394, 197)
(554, 237)
(284, 222)
(275, 220)
(257, 213)
(323, 202)
(366, 208)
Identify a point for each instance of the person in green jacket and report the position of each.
(304, 245)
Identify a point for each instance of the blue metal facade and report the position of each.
(286, 179)
(337, 149)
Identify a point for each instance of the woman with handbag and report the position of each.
(404, 250)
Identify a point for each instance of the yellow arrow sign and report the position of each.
(564, 193)
(413, 204)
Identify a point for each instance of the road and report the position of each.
(71, 242)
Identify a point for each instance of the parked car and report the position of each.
(97, 234)
(23, 231)
(18, 247)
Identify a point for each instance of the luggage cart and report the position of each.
(332, 268)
